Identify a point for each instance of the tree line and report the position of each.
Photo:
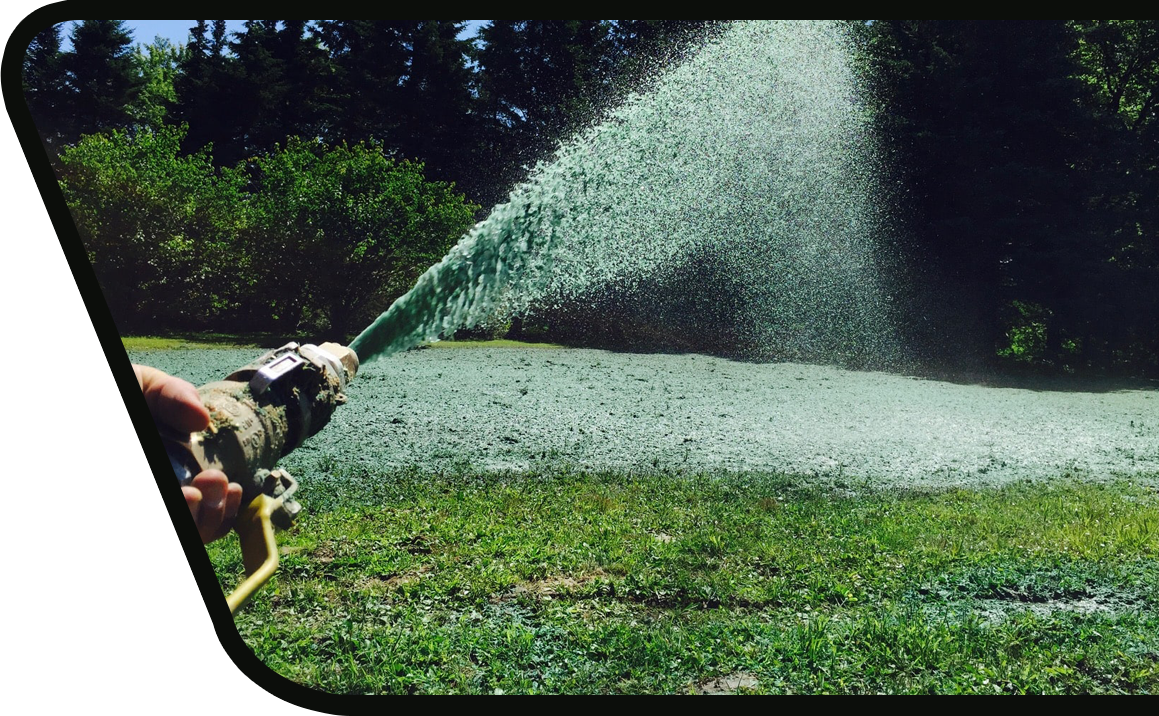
(1023, 157)
(297, 176)
(1025, 160)
(473, 111)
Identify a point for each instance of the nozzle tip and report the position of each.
(345, 355)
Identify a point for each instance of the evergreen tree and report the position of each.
(369, 60)
(307, 75)
(201, 86)
(644, 48)
(44, 83)
(407, 84)
(539, 81)
(245, 95)
(435, 102)
(501, 148)
(102, 77)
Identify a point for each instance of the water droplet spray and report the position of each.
(754, 158)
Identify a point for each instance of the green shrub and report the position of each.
(160, 229)
(308, 238)
(344, 230)
(1026, 333)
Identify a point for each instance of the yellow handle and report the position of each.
(259, 549)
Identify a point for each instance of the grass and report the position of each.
(574, 582)
(191, 342)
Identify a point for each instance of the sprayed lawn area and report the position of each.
(574, 582)
(202, 341)
(498, 343)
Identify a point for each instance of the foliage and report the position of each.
(541, 81)
(1121, 59)
(275, 86)
(309, 238)
(160, 228)
(43, 82)
(1027, 333)
(1024, 155)
(341, 230)
(156, 65)
(101, 76)
(1020, 181)
(1120, 66)
(202, 89)
(440, 124)
(544, 79)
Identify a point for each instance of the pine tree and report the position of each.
(202, 91)
(246, 95)
(644, 48)
(44, 83)
(156, 65)
(369, 60)
(435, 102)
(540, 81)
(102, 79)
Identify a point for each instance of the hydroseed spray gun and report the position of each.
(259, 414)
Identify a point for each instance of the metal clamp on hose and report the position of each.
(276, 369)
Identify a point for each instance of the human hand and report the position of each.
(212, 499)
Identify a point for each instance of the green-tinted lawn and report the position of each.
(233, 341)
(498, 343)
(575, 582)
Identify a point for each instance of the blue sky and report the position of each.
(176, 31)
(145, 31)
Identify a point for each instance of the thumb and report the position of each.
(171, 400)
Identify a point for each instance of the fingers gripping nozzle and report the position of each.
(258, 414)
(262, 412)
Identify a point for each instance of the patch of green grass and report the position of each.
(191, 342)
(573, 582)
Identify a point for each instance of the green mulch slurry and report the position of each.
(498, 343)
(569, 582)
(227, 341)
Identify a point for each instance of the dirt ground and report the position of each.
(514, 408)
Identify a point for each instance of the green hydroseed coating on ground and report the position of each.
(512, 409)
(668, 582)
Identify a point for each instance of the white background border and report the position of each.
(99, 607)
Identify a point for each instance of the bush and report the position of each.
(343, 231)
(306, 239)
(160, 229)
